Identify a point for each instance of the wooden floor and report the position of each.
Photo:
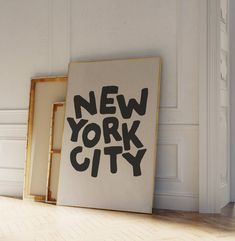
(25, 220)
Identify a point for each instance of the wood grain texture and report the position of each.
(33, 221)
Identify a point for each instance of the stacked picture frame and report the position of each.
(92, 136)
(44, 93)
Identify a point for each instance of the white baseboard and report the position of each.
(176, 201)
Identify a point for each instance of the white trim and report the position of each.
(211, 196)
(178, 177)
(11, 188)
(203, 87)
(176, 201)
(208, 103)
(11, 176)
(13, 132)
(13, 116)
(231, 72)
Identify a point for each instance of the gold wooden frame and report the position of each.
(52, 151)
(34, 81)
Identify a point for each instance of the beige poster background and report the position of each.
(121, 190)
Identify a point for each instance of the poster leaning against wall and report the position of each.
(110, 135)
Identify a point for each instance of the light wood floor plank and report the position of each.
(31, 221)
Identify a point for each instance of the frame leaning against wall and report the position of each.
(28, 163)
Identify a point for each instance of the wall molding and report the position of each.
(13, 116)
(12, 173)
(176, 201)
(178, 50)
(178, 177)
(13, 132)
(232, 97)
(173, 114)
(168, 190)
(210, 199)
(207, 108)
(59, 52)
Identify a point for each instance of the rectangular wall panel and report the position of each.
(12, 159)
(11, 151)
(167, 161)
(177, 179)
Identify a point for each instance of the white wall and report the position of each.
(40, 37)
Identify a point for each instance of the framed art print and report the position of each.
(110, 135)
